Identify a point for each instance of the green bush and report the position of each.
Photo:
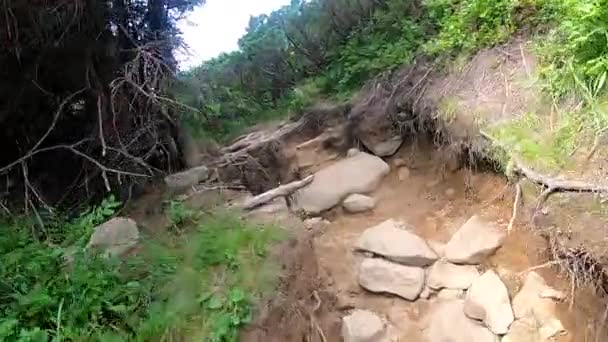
(465, 26)
(201, 284)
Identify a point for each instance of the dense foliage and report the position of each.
(56, 291)
(84, 82)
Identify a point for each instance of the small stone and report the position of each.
(357, 203)
(399, 162)
(362, 326)
(352, 152)
(550, 293)
(447, 275)
(115, 237)
(403, 173)
(447, 294)
(447, 323)
(474, 241)
(387, 148)
(391, 241)
(433, 183)
(381, 276)
(488, 301)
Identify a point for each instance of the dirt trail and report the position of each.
(436, 203)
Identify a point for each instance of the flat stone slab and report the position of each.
(381, 276)
(451, 276)
(474, 241)
(448, 323)
(362, 326)
(358, 174)
(391, 240)
(488, 301)
(187, 178)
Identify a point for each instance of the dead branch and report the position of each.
(281, 191)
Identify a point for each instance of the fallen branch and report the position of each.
(281, 191)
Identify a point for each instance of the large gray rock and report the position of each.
(447, 323)
(381, 276)
(114, 237)
(531, 301)
(474, 241)
(361, 173)
(488, 301)
(391, 240)
(358, 203)
(188, 178)
(451, 276)
(362, 326)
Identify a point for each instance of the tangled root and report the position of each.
(582, 268)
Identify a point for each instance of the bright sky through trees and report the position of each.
(217, 26)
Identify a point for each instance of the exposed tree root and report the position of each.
(515, 206)
(281, 191)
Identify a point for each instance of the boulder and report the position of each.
(115, 237)
(447, 323)
(357, 203)
(381, 276)
(361, 173)
(488, 301)
(474, 241)
(188, 178)
(390, 240)
(529, 301)
(362, 326)
(451, 276)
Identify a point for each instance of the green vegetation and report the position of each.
(201, 284)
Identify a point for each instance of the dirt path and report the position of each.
(436, 206)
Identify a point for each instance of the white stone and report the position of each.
(361, 173)
(529, 301)
(447, 275)
(390, 240)
(381, 276)
(357, 203)
(362, 326)
(523, 330)
(447, 323)
(114, 237)
(403, 173)
(474, 241)
(487, 300)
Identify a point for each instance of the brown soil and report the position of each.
(325, 264)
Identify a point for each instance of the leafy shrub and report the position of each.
(172, 288)
(467, 25)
